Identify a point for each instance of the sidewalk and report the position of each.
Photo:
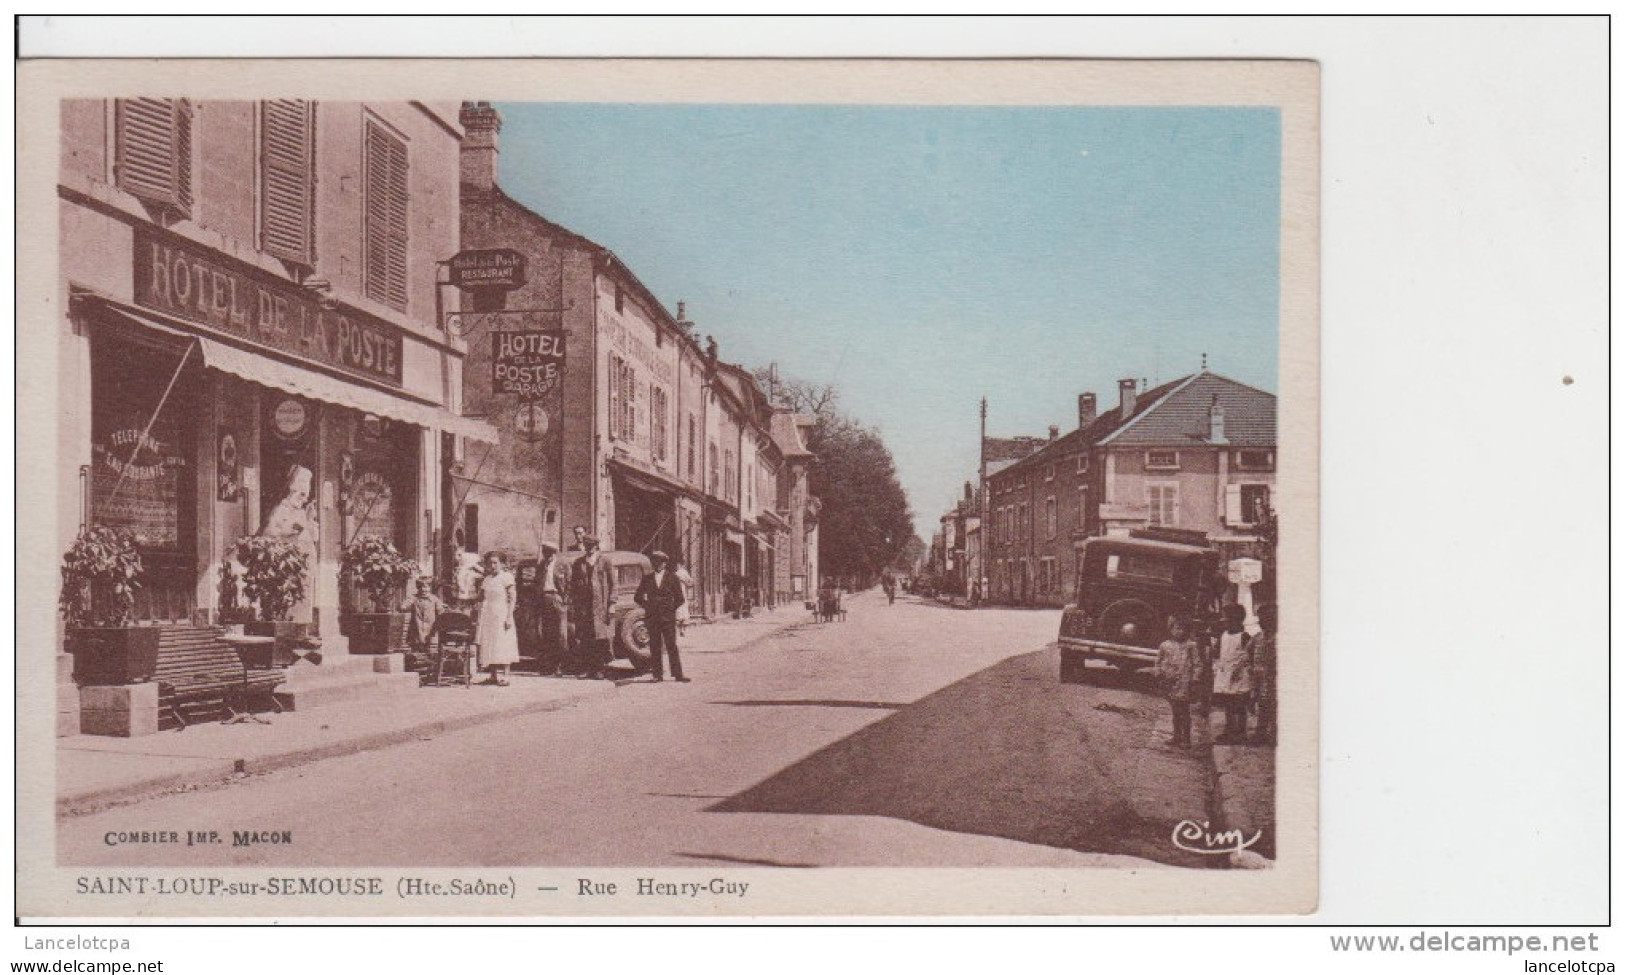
(1243, 785)
(96, 772)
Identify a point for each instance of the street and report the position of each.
(908, 735)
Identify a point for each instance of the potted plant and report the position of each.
(381, 572)
(100, 574)
(273, 578)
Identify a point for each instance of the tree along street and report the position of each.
(911, 734)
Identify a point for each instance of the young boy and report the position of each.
(1178, 666)
(424, 610)
(1264, 676)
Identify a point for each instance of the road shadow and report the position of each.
(1013, 753)
(745, 861)
(813, 703)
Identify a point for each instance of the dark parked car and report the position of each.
(1127, 589)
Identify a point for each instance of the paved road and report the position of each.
(911, 734)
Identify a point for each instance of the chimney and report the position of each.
(1086, 409)
(1054, 431)
(1215, 422)
(481, 123)
(968, 494)
(1126, 396)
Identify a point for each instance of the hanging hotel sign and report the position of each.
(187, 281)
(526, 364)
(499, 268)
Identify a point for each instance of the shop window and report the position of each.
(385, 215)
(153, 155)
(288, 180)
(142, 478)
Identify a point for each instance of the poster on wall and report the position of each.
(372, 507)
(229, 483)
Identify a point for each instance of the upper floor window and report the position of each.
(623, 399)
(1162, 460)
(716, 472)
(1049, 518)
(153, 154)
(1083, 464)
(658, 448)
(1049, 473)
(288, 180)
(1255, 460)
(1246, 504)
(692, 438)
(384, 237)
(1162, 502)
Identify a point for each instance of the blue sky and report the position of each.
(922, 257)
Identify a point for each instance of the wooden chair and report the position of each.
(453, 643)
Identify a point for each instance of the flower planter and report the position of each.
(374, 633)
(284, 652)
(113, 654)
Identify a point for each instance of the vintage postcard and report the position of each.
(686, 489)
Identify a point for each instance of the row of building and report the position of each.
(247, 289)
(1197, 454)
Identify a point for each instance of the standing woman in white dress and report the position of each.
(498, 640)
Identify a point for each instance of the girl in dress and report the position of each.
(1232, 675)
(498, 641)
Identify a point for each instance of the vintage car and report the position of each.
(1128, 586)
(630, 639)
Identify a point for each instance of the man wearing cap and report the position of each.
(660, 594)
(553, 628)
(590, 622)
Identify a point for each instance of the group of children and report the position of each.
(1239, 677)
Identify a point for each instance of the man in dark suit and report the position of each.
(660, 594)
(591, 627)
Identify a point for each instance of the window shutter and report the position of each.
(287, 180)
(154, 152)
(614, 398)
(386, 218)
(1232, 505)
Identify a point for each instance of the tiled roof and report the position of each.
(1181, 418)
(787, 433)
(1103, 426)
(996, 449)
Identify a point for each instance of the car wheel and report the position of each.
(1130, 621)
(632, 639)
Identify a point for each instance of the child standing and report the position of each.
(423, 610)
(1178, 666)
(1264, 675)
(1233, 677)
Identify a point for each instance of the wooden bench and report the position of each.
(197, 670)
